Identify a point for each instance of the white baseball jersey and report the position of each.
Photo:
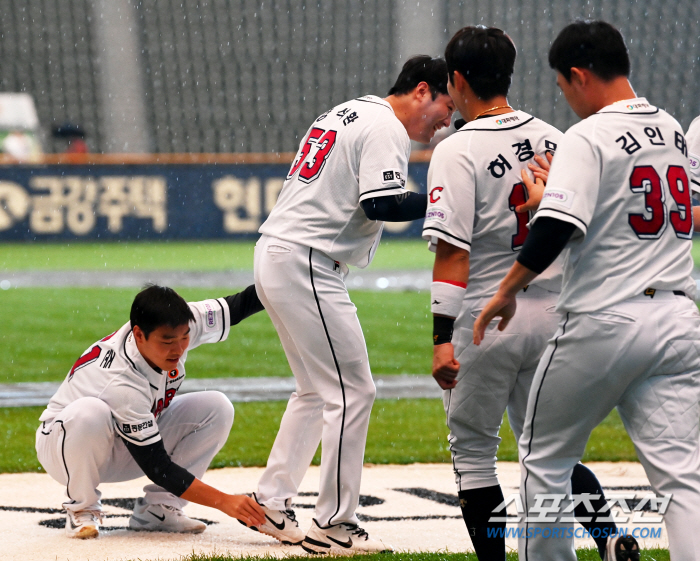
(355, 151)
(114, 371)
(621, 177)
(474, 186)
(692, 137)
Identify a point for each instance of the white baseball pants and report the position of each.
(304, 293)
(81, 449)
(493, 377)
(643, 357)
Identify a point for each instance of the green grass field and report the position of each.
(52, 327)
(177, 256)
(401, 431)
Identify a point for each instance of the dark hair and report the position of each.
(485, 56)
(159, 305)
(594, 45)
(422, 68)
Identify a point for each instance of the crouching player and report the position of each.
(117, 417)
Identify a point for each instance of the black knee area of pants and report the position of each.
(583, 480)
(478, 506)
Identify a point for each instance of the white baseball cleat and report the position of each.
(83, 524)
(280, 524)
(341, 539)
(624, 548)
(163, 518)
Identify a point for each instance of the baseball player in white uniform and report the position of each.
(618, 200)
(692, 137)
(477, 184)
(346, 180)
(117, 416)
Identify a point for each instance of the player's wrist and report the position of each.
(446, 297)
(443, 327)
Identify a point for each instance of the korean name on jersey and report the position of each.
(114, 371)
(355, 151)
(621, 177)
(474, 186)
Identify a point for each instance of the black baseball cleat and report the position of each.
(624, 548)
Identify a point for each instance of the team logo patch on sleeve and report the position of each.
(437, 214)
(393, 176)
(129, 429)
(560, 197)
(209, 317)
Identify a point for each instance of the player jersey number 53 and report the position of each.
(321, 140)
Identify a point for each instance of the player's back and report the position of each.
(358, 149)
(621, 176)
(474, 187)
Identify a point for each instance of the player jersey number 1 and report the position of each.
(309, 168)
(646, 180)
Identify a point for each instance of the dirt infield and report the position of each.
(411, 507)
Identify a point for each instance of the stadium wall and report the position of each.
(179, 197)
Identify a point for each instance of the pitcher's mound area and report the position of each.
(413, 508)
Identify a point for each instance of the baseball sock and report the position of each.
(478, 506)
(583, 480)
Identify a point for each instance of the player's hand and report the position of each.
(445, 366)
(501, 305)
(535, 188)
(541, 170)
(245, 509)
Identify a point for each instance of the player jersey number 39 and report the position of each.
(645, 180)
(320, 140)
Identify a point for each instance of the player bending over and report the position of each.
(618, 199)
(347, 178)
(477, 186)
(117, 417)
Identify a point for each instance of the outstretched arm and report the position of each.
(546, 240)
(244, 304)
(155, 462)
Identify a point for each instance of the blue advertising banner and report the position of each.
(150, 201)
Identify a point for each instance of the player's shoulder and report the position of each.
(544, 127)
(694, 128)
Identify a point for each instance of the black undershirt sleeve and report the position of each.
(159, 468)
(396, 208)
(244, 304)
(544, 242)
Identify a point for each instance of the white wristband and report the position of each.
(446, 298)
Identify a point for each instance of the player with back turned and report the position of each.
(477, 222)
(618, 202)
(346, 180)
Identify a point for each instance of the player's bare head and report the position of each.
(159, 305)
(596, 46)
(485, 57)
(422, 68)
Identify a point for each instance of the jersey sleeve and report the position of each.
(692, 137)
(131, 411)
(384, 159)
(212, 322)
(574, 180)
(451, 196)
